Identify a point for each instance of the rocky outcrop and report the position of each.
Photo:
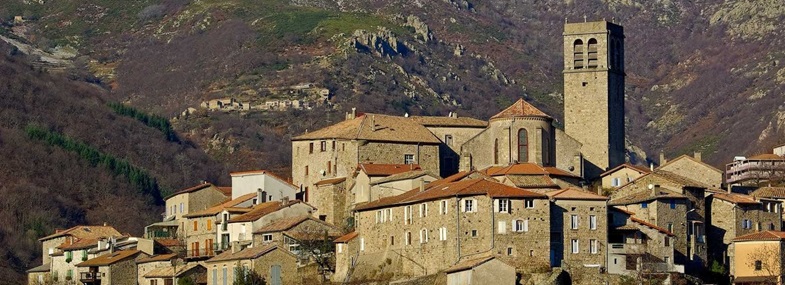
(750, 19)
(421, 30)
(382, 42)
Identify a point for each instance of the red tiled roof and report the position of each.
(470, 187)
(766, 235)
(525, 169)
(445, 121)
(735, 198)
(374, 127)
(653, 226)
(248, 253)
(190, 189)
(80, 244)
(220, 207)
(261, 210)
(575, 194)
(331, 181)
(227, 190)
(520, 108)
(346, 238)
(158, 257)
(766, 156)
(168, 242)
(622, 210)
(373, 169)
(282, 224)
(84, 232)
(639, 169)
(110, 258)
(647, 195)
(769, 192)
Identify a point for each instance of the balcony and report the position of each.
(202, 252)
(90, 277)
(162, 234)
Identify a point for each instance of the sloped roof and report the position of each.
(247, 253)
(405, 176)
(526, 169)
(84, 232)
(265, 172)
(469, 264)
(261, 210)
(452, 178)
(381, 169)
(445, 121)
(110, 258)
(157, 257)
(283, 224)
(469, 187)
(192, 189)
(286, 224)
(692, 159)
(41, 268)
(735, 198)
(220, 207)
(647, 195)
(762, 236)
(227, 190)
(530, 181)
(331, 181)
(766, 156)
(769, 192)
(169, 271)
(374, 127)
(638, 221)
(574, 194)
(346, 238)
(80, 244)
(653, 226)
(520, 108)
(168, 242)
(639, 169)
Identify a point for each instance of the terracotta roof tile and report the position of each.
(444, 121)
(374, 169)
(168, 242)
(575, 194)
(84, 232)
(653, 226)
(190, 189)
(41, 268)
(766, 156)
(346, 238)
(282, 224)
(286, 224)
(452, 178)
(157, 258)
(169, 271)
(80, 244)
(735, 198)
(530, 181)
(261, 210)
(405, 176)
(374, 127)
(647, 195)
(520, 108)
(766, 235)
(110, 258)
(220, 207)
(526, 169)
(247, 253)
(227, 190)
(331, 181)
(642, 170)
(769, 192)
(468, 264)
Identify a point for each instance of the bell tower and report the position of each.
(594, 93)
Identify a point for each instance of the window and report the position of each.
(423, 236)
(468, 206)
(392, 240)
(196, 225)
(323, 145)
(423, 210)
(645, 205)
(616, 182)
(443, 233)
(592, 54)
(667, 241)
(520, 225)
(546, 148)
(209, 224)
(362, 244)
(225, 276)
(181, 207)
(267, 237)
(758, 265)
(408, 238)
(333, 145)
(389, 214)
(577, 54)
(503, 205)
(509, 251)
(448, 139)
(153, 282)
(474, 233)
(378, 216)
(592, 222)
(502, 227)
(407, 215)
(673, 203)
(329, 167)
(746, 224)
(443, 207)
(408, 159)
(523, 145)
(496, 151)
(593, 246)
(574, 246)
(574, 222)
(215, 276)
(306, 170)
(528, 203)
(670, 227)
(310, 148)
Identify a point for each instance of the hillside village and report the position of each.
(378, 198)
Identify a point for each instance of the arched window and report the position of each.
(592, 52)
(523, 146)
(577, 56)
(496, 151)
(424, 236)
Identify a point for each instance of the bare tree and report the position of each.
(766, 262)
(316, 245)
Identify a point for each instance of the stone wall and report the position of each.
(695, 170)
(343, 161)
(278, 257)
(204, 234)
(568, 153)
(501, 137)
(143, 268)
(123, 272)
(562, 233)
(330, 202)
(426, 155)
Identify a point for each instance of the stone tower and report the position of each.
(594, 93)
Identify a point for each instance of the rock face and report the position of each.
(420, 28)
(382, 42)
(750, 19)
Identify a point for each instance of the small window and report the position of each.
(574, 246)
(392, 240)
(423, 210)
(574, 222)
(310, 148)
(523, 145)
(670, 227)
(509, 251)
(503, 205)
(339, 247)
(443, 207)
(196, 225)
(408, 159)
(182, 208)
(267, 237)
(333, 145)
(323, 145)
(593, 246)
(667, 241)
(209, 224)
(443, 233)
(502, 227)
(408, 238)
(528, 203)
(306, 170)
(468, 205)
(593, 222)
(423, 236)
(616, 182)
(474, 233)
(645, 205)
(673, 203)
(521, 225)
(329, 167)
(362, 244)
(448, 139)
(758, 265)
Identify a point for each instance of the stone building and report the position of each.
(275, 265)
(182, 202)
(487, 270)
(148, 264)
(636, 246)
(532, 176)
(578, 231)
(176, 274)
(117, 268)
(202, 230)
(241, 227)
(427, 230)
(453, 131)
(771, 193)
(694, 168)
(368, 173)
(594, 93)
(268, 186)
(621, 175)
(732, 215)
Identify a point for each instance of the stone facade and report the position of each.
(500, 143)
(200, 235)
(220, 271)
(333, 199)
(636, 246)
(621, 175)
(565, 233)
(695, 169)
(594, 92)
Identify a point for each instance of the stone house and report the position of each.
(65, 248)
(117, 268)
(621, 175)
(694, 168)
(268, 186)
(732, 215)
(426, 230)
(672, 202)
(277, 266)
(759, 258)
(148, 264)
(487, 270)
(201, 228)
(293, 233)
(347, 251)
(453, 131)
(241, 227)
(367, 174)
(332, 195)
(183, 202)
(519, 134)
(578, 231)
(50, 243)
(400, 183)
(636, 246)
(173, 274)
(771, 193)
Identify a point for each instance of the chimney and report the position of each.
(654, 189)
(260, 197)
(662, 158)
(697, 155)
(285, 200)
(651, 166)
(422, 184)
(373, 123)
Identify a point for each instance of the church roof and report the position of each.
(520, 109)
(374, 127)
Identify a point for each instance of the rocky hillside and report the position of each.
(702, 75)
